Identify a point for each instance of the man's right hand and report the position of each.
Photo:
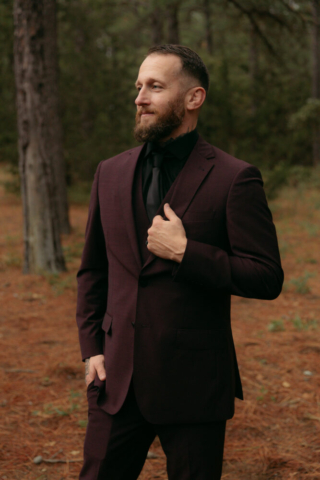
(94, 365)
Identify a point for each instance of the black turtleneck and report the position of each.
(176, 153)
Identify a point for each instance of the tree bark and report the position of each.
(157, 26)
(173, 23)
(208, 22)
(253, 68)
(42, 247)
(54, 127)
(315, 35)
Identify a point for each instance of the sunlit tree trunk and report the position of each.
(316, 74)
(42, 247)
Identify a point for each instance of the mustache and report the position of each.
(143, 110)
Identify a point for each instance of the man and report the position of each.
(175, 228)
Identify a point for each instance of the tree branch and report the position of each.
(256, 27)
(295, 12)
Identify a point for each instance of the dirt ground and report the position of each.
(275, 432)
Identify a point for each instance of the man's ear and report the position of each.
(195, 98)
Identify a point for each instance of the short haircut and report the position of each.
(192, 65)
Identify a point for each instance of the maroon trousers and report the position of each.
(116, 446)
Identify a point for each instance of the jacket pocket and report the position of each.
(107, 323)
(194, 339)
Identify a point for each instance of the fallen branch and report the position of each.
(311, 417)
(152, 455)
(37, 460)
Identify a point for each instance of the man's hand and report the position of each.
(167, 238)
(94, 365)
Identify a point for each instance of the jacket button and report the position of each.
(143, 282)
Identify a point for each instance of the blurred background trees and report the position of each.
(263, 58)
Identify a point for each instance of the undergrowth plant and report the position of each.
(276, 326)
(300, 324)
(301, 283)
(60, 283)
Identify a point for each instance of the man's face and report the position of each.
(160, 100)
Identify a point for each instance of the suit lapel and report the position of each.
(191, 177)
(125, 193)
(184, 188)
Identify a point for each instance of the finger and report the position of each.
(89, 379)
(101, 372)
(157, 220)
(149, 241)
(170, 214)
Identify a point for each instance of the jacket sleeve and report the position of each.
(251, 267)
(92, 280)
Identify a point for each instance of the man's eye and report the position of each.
(156, 86)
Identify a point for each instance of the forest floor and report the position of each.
(275, 432)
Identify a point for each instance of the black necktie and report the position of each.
(153, 197)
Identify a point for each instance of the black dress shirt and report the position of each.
(176, 153)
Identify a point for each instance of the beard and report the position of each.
(164, 124)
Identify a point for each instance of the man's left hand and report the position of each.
(167, 238)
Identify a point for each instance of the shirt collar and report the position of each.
(179, 147)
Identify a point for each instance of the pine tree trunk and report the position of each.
(173, 23)
(42, 247)
(315, 34)
(207, 14)
(253, 68)
(54, 127)
(157, 26)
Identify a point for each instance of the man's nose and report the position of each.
(142, 98)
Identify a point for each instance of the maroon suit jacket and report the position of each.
(168, 324)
